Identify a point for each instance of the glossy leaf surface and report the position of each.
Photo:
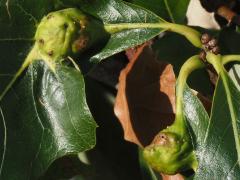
(116, 12)
(216, 145)
(44, 117)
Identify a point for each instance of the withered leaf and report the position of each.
(145, 102)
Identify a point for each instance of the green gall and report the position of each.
(67, 32)
(172, 150)
(169, 153)
(60, 34)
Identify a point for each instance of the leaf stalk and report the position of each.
(191, 34)
(192, 64)
(230, 58)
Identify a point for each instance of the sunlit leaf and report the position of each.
(216, 140)
(45, 116)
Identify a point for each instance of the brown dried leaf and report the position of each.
(145, 102)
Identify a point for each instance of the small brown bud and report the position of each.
(207, 47)
(215, 50)
(205, 38)
(202, 55)
(213, 42)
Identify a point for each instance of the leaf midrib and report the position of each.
(169, 11)
(5, 141)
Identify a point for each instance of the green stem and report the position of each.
(179, 126)
(230, 58)
(217, 62)
(188, 67)
(191, 34)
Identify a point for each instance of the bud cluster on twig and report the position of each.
(209, 44)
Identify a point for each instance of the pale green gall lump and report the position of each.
(65, 33)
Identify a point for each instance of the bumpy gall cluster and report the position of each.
(210, 44)
(169, 153)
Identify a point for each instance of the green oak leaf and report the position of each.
(216, 139)
(44, 117)
(171, 10)
(35, 131)
(116, 12)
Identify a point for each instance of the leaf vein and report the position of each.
(68, 109)
(4, 143)
(169, 11)
(231, 169)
